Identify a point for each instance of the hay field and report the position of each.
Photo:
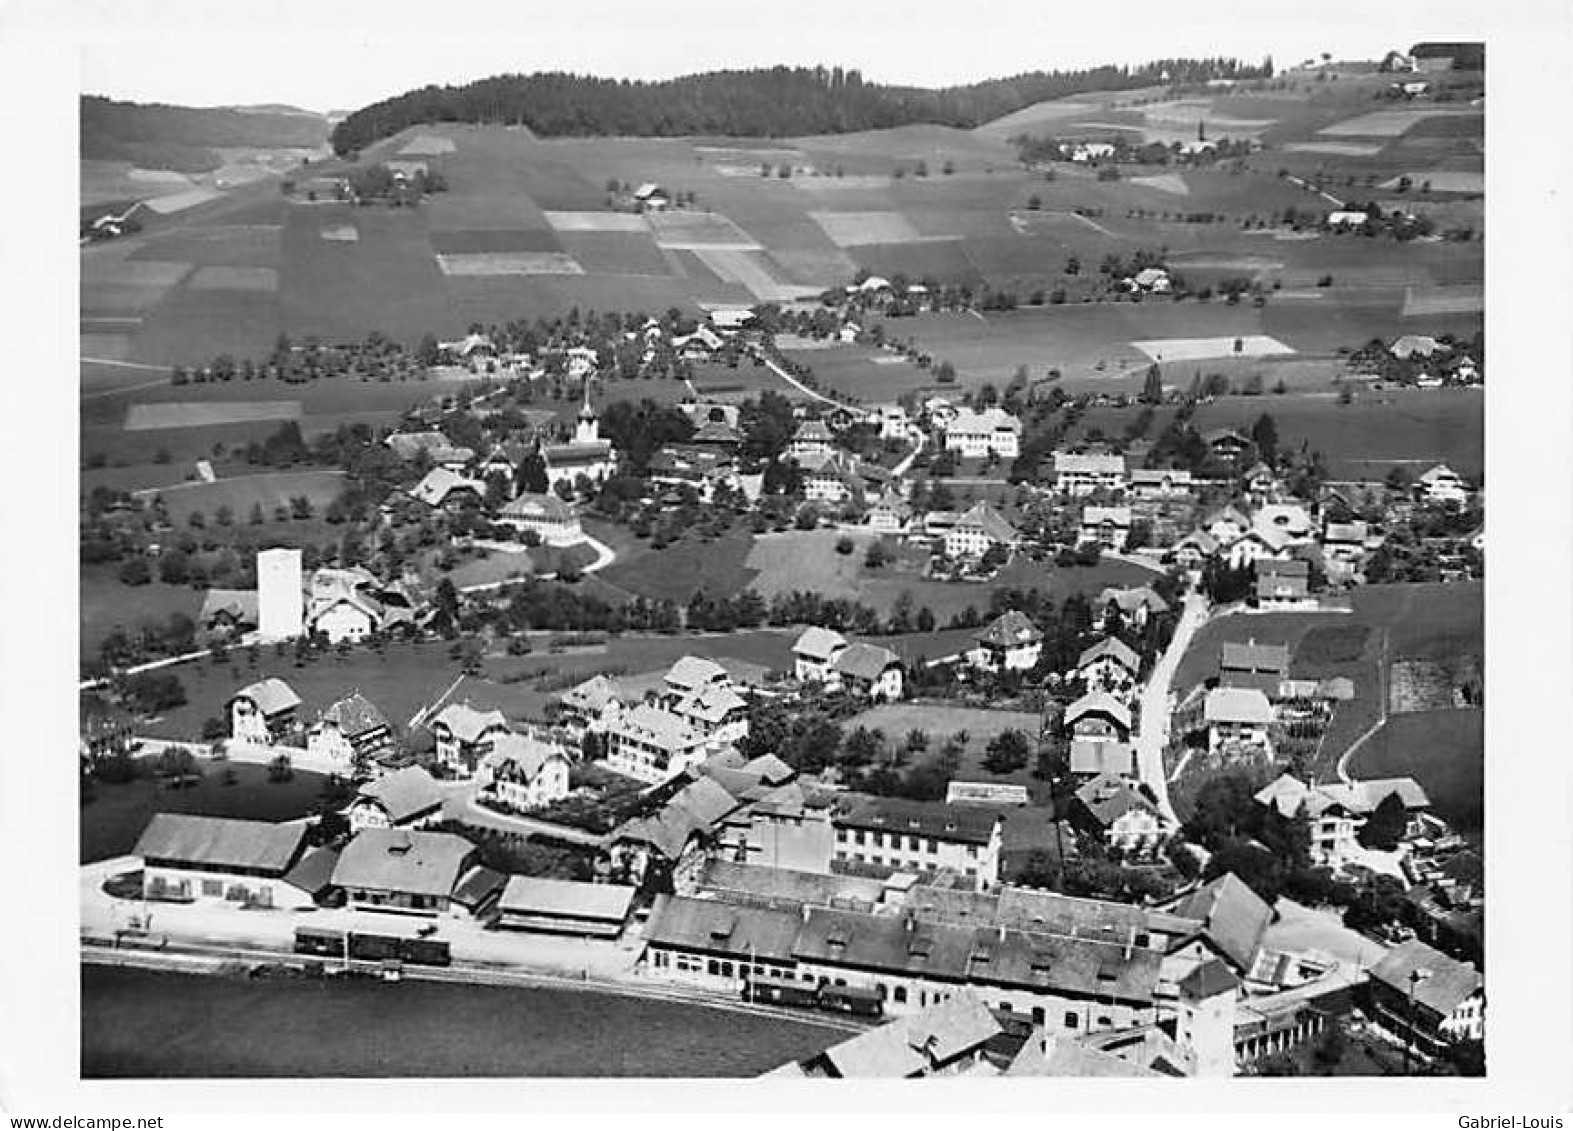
(1198, 349)
(180, 201)
(856, 229)
(1390, 123)
(114, 284)
(1445, 180)
(427, 145)
(596, 222)
(615, 253)
(340, 233)
(215, 245)
(206, 414)
(1427, 301)
(1164, 182)
(754, 270)
(693, 230)
(233, 279)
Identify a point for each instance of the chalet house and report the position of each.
(692, 674)
(1344, 543)
(1442, 485)
(1337, 812)
(1122, 813)
(465, 735)
(406, 872)
(1079, 475)
(976, 435)
(189, 859)
(869, 671)
(1011, 642)
(922, 836)
(523, 772)
(1226, 526)
(1260, 666)
(1284, 585)
(1149, 280)
(1261, 483)
(814, 654)
(652, 744)
(554, 521)
(1226, 444)
(1134, 606)
(691, 820)
(812, 438)
(350, 732)
(1098, 715)
(1109, 665)
(1108, 528)
(503, 461)
(263, 712)
(1158, 484)
(831, 478)
(651, 197)
(444, 489)
(890, 514)
(405, 799)
(892, 422)
(352, 604)
(227, 613)
(979, 530)
(717, 712)
(1192, 551)
(1263, 542)
(593, 705)
(1237, 720)
(1426, 998)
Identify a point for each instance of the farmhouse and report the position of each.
(522, 772)
(444, 489)
(1122, 813)
(410, 446)
(1441, 484)
(564, 907)
(1283, 585)
(652, 744)
(812, 438)
(1098, 715)
(554, 521)
(405, 799)
(814, 654)
(717, 712)
(1011, 642)
(1426, 998)
(592, 705)
(1161, 483)
(403, 871)
(979, 530)
(1086, 151)
(1259, 666)
(188, 859)
(831, 478)
(1150, 280)
(349, 732)
(890, 514)
(869, 671)
(651, 197)
(922, 836)
(228, 612)
(465, 735)
(352, 604)
(1108, 528)
(1110, 665)
(1078, 475)
(1134, 606)
(263, 712)
(1415, 345)
(1237, 721)
(979, 434)
(1226, 444)
(1347, 218)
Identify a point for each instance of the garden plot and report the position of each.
(687, 231)
(1386, 123)
(858, 229)
(1423, 685)
(207, 414)
(596, 222)
(1199, 349)
(1426, 301)
(510, 263)
(234, 279)
(427, 145)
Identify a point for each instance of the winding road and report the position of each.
(1156, 703)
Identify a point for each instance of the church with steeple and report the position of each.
(587, 454)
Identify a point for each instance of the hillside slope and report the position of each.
(190, 139)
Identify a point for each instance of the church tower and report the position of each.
(588, 430)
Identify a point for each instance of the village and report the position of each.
(746, 832)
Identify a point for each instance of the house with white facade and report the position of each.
(1441, 484)
(465, 735)
(923, 836)
(1428, 999)
(652, 744)
(405, 799)
(524, 772)
(1108, 528)
(977, 531)
(1078, 475)
(555, 522)
(975, 435)
(870, 671)
(812, 438)
(1161, 484)
(1237, 720)
(1098, 715)
(1110, 665)
(1010, 643)
(263, 712)
(1123, 813)
(350, 731)
(814, 654)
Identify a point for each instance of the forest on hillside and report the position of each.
(774, 102)
(186, 138)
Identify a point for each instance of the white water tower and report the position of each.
(279, 596)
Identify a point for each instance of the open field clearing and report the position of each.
(484, 208)
(269, 491)
(692, 230)
(1444, 300)
(233, 279)
(682, 569)
(1197, 349)
(855, 182)
(1164, 182)
(105, 346)
(866, 373)
(205, 414)
(1445, 180)
(1035, 117)
(1334, 148)
(109, 182)
(854, 229)
(940, 723)
(427, 145)
(510, 263)
(218, 245)
(477, 241)
(754, 270)
(596, 222)
(192, 325)
(112, 284)
(340, 233)
(1444, 751)
(615, 253)
(1393, 123)
(180, 201)
(945, 260)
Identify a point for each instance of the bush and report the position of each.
(844, 545)
(135, 571)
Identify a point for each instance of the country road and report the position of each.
(1155, 702)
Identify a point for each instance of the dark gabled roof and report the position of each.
(1233, 917)
(865, 661)
(926, 818)
(221, 842)
(710, 925)
(1253, 657)
(313, 873)
(1445, 983)
(1207, 980)
(405, 793)
(400, 860)
(1115, 649)
(1012, 629)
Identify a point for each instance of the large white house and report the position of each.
(652, 744)
(1011, 642)
(977, 434)
(1078, 474)
(814, 653)
(978, 531)
(524, 772)
(556, 522)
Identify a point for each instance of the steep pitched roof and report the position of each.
(1107, 798)
(1233, 916)
(1444, 983)
(239, 605)
(983, 516)
(1099, 702)
(354, 715)
(692, 672)
(271, 695)
(1012, 629)
(818, 643)
(520, 757)
(1115, 649)
(404, 793)
(593, 694)
(438, 483)
(862, 660)
(466, 723)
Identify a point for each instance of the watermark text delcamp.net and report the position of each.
(89, 1122)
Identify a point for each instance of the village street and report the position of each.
(1155, 702)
